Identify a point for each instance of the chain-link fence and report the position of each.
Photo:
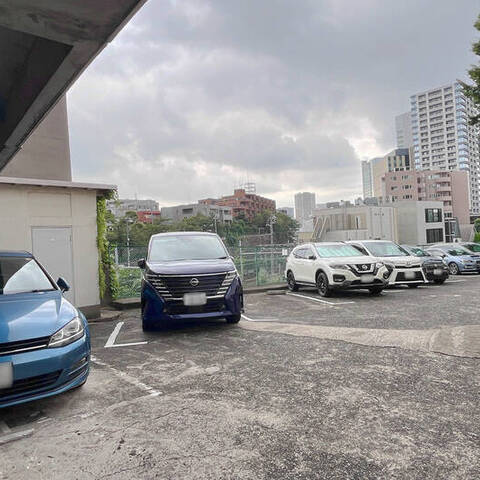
(260, 265)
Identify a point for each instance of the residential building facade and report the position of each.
(403, 130)
(243, 204)
(367, 183)
(420, 223)
(223, 214)
(287, 211)
(304, 206)
(148, 216)
(412, 222)
(123, 205)
(354, 223)
(443, 139)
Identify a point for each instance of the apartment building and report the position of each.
(287, 211)
(416, 223)
(403, 130)
(373, 170)
(121, 206)
(243, 204)
(442, 137)
(304, 205)
(449, 187)
(177, 213)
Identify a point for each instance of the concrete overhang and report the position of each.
(44, 46)
(100, 188)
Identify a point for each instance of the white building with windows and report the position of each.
(304, 205)
(442, 136)
(403, 130)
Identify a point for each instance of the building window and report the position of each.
(433, 215)
(434, 235)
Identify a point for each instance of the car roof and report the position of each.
(329, 243)
(176, 234)
(370, 241)
(15, 253)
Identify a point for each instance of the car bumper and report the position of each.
(468, 268)
(430, 274)
(345, 279)
(403, 276)
(46, 372)
(156, 310)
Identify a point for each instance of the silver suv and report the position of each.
(334, 266)
(405, 269)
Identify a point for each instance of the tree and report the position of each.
(473, 91)
(476, 227)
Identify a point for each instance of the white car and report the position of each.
(334, 266)
(405, 268)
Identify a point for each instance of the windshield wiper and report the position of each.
(39, 290)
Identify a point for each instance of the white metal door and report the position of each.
(52, 246)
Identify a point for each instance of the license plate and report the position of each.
(195, 299)
(409, 275)
(438, 271)
(367, 278)
(6, 375)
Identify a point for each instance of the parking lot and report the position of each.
(349, 387)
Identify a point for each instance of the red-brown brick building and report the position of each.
(148, 216)
(243, 203)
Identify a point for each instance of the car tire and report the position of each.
(453, 268)
(322, 285)
(439, 281)
(412, 286)
(146, 325)
(292, 286)
(234, 318)
(375, 290)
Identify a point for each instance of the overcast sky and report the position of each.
(195, 96)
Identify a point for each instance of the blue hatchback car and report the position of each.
(189, 275)
(44, 340)
(458, 259)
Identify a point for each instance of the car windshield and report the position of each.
(22, 275)
(386, 249)
(418, 252)
(173, 248)
(458, 251)
(326, 251)
(473, 247)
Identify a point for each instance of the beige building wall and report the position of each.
(378, 171)
(23, 207)
(46, 153)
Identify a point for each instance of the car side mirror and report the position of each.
(63, 284)
(142, 263)
(312, 257)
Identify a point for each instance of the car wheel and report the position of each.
(322, 285)
(453, 268)
(234, 318)
(412, 286)
(292, 286)
(375, 290)
(439, 281)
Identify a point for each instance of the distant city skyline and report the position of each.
(192, 95)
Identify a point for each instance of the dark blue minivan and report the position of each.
(189, 275)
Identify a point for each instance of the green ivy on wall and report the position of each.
(107, 275)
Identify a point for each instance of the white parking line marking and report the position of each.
(318, 299)
(248, 319)
(113, 336)
(455, 281)
(128, 378)
(394, 291)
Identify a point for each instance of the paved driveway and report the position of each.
(352, 387)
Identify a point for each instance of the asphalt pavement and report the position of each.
(349, 387)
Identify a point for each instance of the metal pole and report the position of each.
(128, 246)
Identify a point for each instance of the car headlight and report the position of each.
(72, 331)
(339, 266)
(379, 265)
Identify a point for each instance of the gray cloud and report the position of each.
(194, 94)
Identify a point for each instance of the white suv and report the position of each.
(405, 269)
(335, 265)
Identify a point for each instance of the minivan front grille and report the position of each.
(20, 346)
(174, 287)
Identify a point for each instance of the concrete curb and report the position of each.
(134, 302)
